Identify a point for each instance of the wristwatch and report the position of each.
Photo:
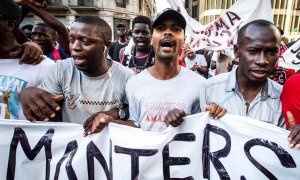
(122, 114)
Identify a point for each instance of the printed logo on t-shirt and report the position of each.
(156, 113)
(71, 100)
(9, 99)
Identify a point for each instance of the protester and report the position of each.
(291, 109)
(154, 100)
(140, 55)
(114, 51)
(247, 90)
(290, 98)
(14, 76)
(47, 34)
(196, 62)
(89, 83)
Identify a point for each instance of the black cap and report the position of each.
(10, 10)
(169, 13)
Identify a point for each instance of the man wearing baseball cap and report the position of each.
(116, 46)
(153, 101)
(161, 81)
(14, 76)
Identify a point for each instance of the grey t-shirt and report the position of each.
(150, 99)
(83, 95)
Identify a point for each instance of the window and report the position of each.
(121, 3)
(218, 4)
(275, 18)
(55, 2)
(85, 3)
(186, 4)
(277, 4)
(281, 20)
(223, 6)
(283, 4)
(208, 4)
(272, 4)
(195, 11)
(229, 3)
(296, 24)
(297, 3)
(140, 5)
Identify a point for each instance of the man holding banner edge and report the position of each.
(247, 90)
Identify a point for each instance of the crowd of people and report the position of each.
(149, 82)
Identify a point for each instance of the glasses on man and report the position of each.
(121, 29)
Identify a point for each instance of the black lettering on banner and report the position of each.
(175, 161)
(208, 30)
(284, 157)
(215, 156)
(217, 43)
(20, 136)
(296, 62)
(70, 152)
(110, 159)
(220, 24)
(296, 50)
(93, 151)
(232, 17)
(135, 154)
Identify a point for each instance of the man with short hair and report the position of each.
(247, 90)
(45, 37)
(196, 62)
(14, 76)
(51, 36)
(116, 46)
(139, 56)
(91, 84)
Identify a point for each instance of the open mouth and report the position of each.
(140, 43)
(167, 45)
(79, 61)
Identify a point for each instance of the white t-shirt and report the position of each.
(15, 77)
(151, 99)
(199, 60)
(84, 95)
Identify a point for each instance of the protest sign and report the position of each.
(291, 57)
(222, 32)
(201, 148)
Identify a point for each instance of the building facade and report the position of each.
(112, 11)
(285, 15)
(147, 8)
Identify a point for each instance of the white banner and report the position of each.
(231, 148)
(291, 57)
(221, 33)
